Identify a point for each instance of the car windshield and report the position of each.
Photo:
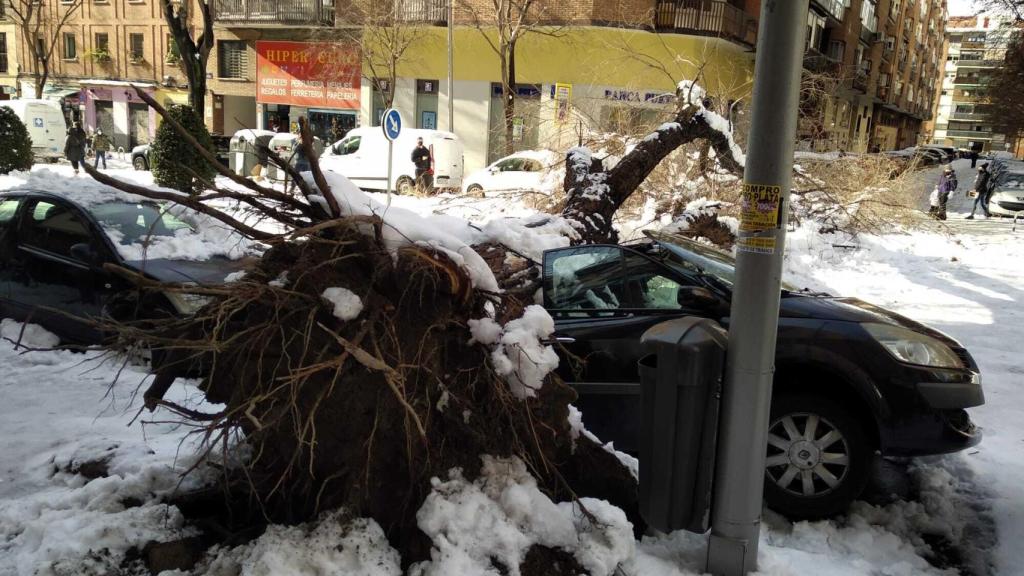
(1012, 181)
(137, 221)
(692, 257)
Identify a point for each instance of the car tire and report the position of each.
(405, 186)
(807, 479)
(139, 163)
(475, 190)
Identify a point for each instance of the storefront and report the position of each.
(115, 108)
(319, 81)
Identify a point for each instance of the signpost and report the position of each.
(391, 123)
(746, 398)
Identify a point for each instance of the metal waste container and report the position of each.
(284, 145)
(680, 386)
(247, 149)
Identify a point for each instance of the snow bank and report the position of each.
(28, 335)
(347, 304)
(497, 518)
(518, 354)
(334, 544)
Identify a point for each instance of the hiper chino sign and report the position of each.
(313, 74)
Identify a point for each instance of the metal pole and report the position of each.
(746, 400)
(451, 66)
(391, 149)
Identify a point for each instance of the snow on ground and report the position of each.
(61, 410)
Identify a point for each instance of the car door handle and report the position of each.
(558, 340)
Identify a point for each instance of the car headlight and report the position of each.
(913, 347)
(187, 304)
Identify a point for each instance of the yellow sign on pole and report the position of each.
(563, 102)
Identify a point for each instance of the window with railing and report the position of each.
(815, 31)
(232, 59)
(136, 47)
(836, 8)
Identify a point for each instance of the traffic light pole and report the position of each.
(746, 399)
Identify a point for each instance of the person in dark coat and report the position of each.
(421, 158)
(74, 146)
(947, 184)
(983, 188)
(974, 157)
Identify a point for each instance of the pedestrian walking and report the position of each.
(947, 184)
(74, 145)
(982, 191)
(100, 145)
(974, 157)
(421, 158)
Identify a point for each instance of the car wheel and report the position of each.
(405, 185)
(139, 163)
(475, 190)
(818, 457)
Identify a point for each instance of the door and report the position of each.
(105, 118)
(49, 284)
(138, 124)
(347, 159)
(506, 174)
(603, 298)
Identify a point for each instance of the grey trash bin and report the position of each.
(680, 383)
(247, 149)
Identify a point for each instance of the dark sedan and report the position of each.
(851, 379)
(52, 252)
(141, 161)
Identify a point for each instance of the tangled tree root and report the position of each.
(361, 414)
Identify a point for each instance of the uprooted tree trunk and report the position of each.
(594, 193)
(357, 408)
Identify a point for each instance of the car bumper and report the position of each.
(941, 432)
(1004, 208)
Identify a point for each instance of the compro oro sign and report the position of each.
(313, 74)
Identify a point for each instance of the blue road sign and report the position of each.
(392, 124)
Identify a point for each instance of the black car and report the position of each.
(52, 252)
(221, 145)
(851, 379)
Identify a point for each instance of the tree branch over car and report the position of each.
(40, 25)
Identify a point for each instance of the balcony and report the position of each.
(274, 12)
(979, 63)
(835, 8)
(975, 134)
(969, 116)
(422, 11)
(822, 64)
(706, 18)
(860, 82)
(882, 92)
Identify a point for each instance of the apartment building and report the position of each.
(8, 56)
(105, 47)
(884, 58)
(975, 47)
(611, 65)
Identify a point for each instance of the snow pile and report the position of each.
(333, 544)
(519, 354)
(530, 237)
(27, 335)
(206, 241)
(403, 227)
(593, 184)
(695, 209)
(347, 304)
(486, 527)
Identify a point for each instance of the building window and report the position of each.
(233, 59)
(173, 54)
(867, 15)
(101, 42)
(3, 50)
(426, 104)
(70, 46)
(815, 31)
(136, 47)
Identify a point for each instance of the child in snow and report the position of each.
(947, 184)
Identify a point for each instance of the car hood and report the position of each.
(212, 271)
(851, 310)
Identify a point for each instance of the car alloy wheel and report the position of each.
(807, 455)
(818, 458)
(139, 163)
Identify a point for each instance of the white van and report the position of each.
(362, 156)
(46, 125)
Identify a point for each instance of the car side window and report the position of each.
(8, 208)
(53, 227)
(648, 286)
(587, 279)
(532, 166)
(348, 146)
(509, 165)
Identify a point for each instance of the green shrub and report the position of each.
(16, 151)
(170, 154)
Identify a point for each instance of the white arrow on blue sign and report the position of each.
(391, 122)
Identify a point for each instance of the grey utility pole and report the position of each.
(451, 66)
(746, 398)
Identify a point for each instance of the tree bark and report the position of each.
(594, 194)
(194, 54)
(509, 97)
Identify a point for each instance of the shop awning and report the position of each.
(60, 92)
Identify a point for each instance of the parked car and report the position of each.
(520, 171)
(362, 156)
(52, 251)
(948, 152)
(929, 156)
(46, 125)
(221, 144)
(1008, 192)
(850, 378)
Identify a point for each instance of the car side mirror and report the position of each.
(493, 170)
(84, 253)
(696, 297)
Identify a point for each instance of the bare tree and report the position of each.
(512, 21)
(194, 53)
(40, 24)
